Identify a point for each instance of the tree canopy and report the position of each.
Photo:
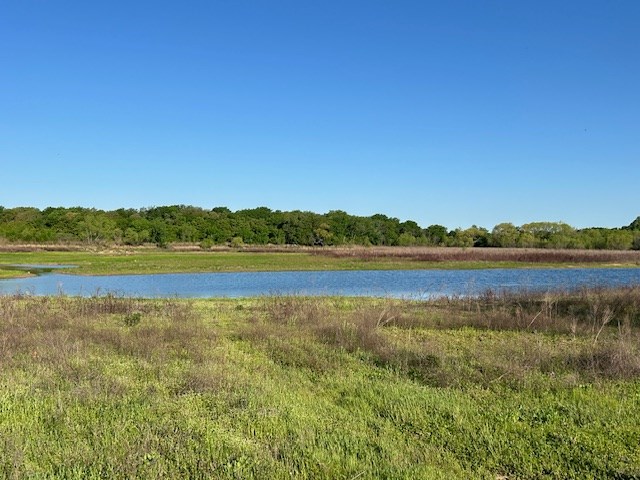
(261, 226)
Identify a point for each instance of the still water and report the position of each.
(384, 283)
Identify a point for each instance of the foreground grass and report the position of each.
(520, 387)
(145, 261)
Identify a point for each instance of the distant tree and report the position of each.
(321, 233)
(188, 233)
(505, 235)
(407, 240)
(635, 225)
(460, 238)
(298, 228)
(131, 237)
(436, 235)
(527, 240)
(480, 236)
(165, 224)
(96, 227)
(619, 240)
(385, 230)
(158, 233)
(593, 238)
(473, 236)
(338, 222)
(411, 228)
(549, 234)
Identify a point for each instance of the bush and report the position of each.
(237, 242)
(206, 244)
(132, 319)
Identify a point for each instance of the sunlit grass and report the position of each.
(283, 387)
(146, 261)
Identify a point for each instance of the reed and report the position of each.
(454, 254)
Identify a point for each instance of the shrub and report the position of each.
(206, 244)
(132, 319)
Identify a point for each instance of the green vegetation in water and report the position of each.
(529, 386)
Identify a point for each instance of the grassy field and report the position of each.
(525, 386)
(122, 261)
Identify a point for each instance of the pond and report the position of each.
(417, 284)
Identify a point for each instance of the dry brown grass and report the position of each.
(446, 342)
(420, 254)
(56, 331)
(587, 335)
(585, 311)
(454, 254)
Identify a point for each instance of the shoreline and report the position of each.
(154, 260)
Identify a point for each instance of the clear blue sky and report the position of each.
(447, 112)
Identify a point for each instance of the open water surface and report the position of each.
(375, 283)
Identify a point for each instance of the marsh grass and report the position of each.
(59, 331)
(143, 260)
(589, 335)
(510, 386)
(504, 255)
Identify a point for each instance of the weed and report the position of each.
(132, 319)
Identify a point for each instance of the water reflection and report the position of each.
(36, 268)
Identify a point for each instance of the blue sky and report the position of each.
(452, 113)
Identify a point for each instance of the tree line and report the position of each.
(262, 226)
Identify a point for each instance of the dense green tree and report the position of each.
(593, 238)
(619, 240)
(635, 225)
(436, 235)
(385, 230)
(341, 225)
(479, 235)
(460, 238)
(407, 240)
(550, 234)
(411, 234)
(505, 235)
(182, 223)
(159, 232)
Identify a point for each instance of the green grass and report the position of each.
(139, 261)
(334, 388)
(142, 262)
(169, 262)
(165, 262)
(9, 273)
